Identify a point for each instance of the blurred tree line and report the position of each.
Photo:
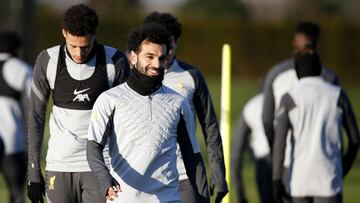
(208, 24)
(18, 15)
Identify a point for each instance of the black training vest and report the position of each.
(80, 94)
(5, 89)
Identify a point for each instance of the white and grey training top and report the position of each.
(278, 81)
(15, 83)
(142, 132)
(315, 111)
(74, 88)
(249, 123)
(190, 83)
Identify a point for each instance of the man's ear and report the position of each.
(64, 33)
(133, 58)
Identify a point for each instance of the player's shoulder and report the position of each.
(327, 70)
(170, 91)
(281, 67)
(116, 91)
(15, 71)
(193, 70)
(51, 52)
(329, 74)
(48, 54)
(18, 64)
(171, 94)
(114, 54)
(111, 95)
(255, 102)
(331, 86)
(277, 70)
(109, 50)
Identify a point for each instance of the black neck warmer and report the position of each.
(307, 65)
(143, 84)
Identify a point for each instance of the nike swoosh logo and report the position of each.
(81, 91)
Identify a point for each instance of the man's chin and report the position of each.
(153, 75)
(79, 61)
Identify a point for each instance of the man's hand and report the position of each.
(36, 190)
(278, 191)
(112, 192)
(220, 196)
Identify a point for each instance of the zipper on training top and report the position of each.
(150, 107)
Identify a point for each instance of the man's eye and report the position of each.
(150, 57)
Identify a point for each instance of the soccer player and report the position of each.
(74, 74)
(282, 77)
(315, 112)
(143, 120)
(250, 123)
(15, 84)
(188, 81)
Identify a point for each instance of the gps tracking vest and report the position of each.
(5, 89)
(80, 94)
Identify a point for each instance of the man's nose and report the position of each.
(156, 63)
(77, 52)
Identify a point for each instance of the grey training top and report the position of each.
(278, 81)
(190, 83)
(142, 132)
(249, 124)
(315, 111)
(68, 126)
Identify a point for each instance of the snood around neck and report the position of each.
(143, 84)
(307, 65)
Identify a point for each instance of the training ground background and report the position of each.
(242, 91)
(259, 32)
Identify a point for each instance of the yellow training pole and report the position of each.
(225, 122)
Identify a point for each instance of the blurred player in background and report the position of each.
(250, 124)
(15, 84)
(282, 77)
(315, 112)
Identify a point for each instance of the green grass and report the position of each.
(242, 90)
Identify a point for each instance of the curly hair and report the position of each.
(151, 32)
(310, 29)
(80, 20)
(10, 42)
(166, 19)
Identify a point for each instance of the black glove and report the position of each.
(220, 196)
(36, 190)
(278, 191)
